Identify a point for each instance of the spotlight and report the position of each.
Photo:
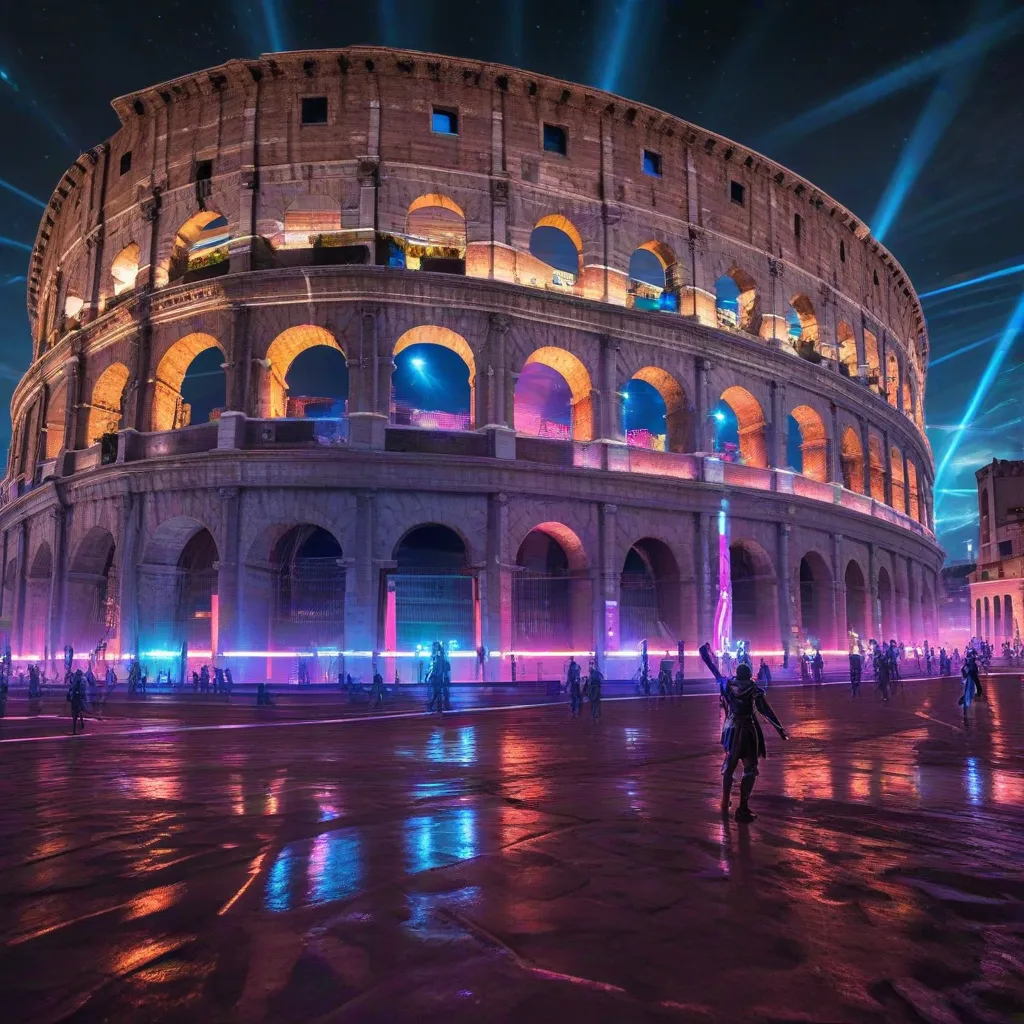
(719, 416)
(418, 363)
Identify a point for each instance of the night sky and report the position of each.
(909, 112)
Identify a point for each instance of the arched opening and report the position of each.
(36, 613)
(92, 590)
(815, 598)
(124, 268)
(190, 385)
(876, 460)
(73, 306)
(649, 595)
(106, 409)
(908, 401)
(987, 635)
(307, 375)
(886, 604)
(978, 622)
(856, 600)
(309, 590)
(553, 396)
(435, 235)
(655, 413)
(200, 248)
(899, 487)
(807, 444)
(851, 456)
(431, 591)
(308, 219)
(752, 576)
(913, 495)
(551, 592)
(1011, 622)
(557, 250)
(802, 328)
(56, 413)
(846, 344)
(736, 301)
(434, 381)
(892, 379)
(997, 619)
(871, 358)
(928, 611)
(654, 278)
(177, 587)
(750, 439)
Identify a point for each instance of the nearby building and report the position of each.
(367, 204)
(956, 620)
(997, 584)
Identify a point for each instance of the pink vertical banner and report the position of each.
(390, 631)
(723, 609)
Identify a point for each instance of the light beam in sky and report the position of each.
(272, 20)
(867, 94)
(27, 196)
(994, 275)
(13, 243)
(963, 350)
(613, 52)
(1009, 336)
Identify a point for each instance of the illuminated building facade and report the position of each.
(576, 255)
(997, 583)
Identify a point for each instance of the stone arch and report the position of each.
(857, 596)
(753, 581)
(678, 418)
(913, 493)
(91, 588)
(41, 566)
(167, 541)
(203, 238)
(169, 410)
(736, 301)
(654, 295)
(307, 217)
(435, 221)
(803, 327)
(876, 466)
(886, 604)
(536, 270)
(73, 306)
(36, 609)
(871, 358)
(899, 487)
(750, 425)
(576, 376)
(281, 353)
(892, 379)
(551, 591)
(852, 459)
(124, 268)
(650, 604)
(846, 346)
(56, 413)
(447, 339)
(816, 590)
(813, 442)
(106, 407)
(908, 399)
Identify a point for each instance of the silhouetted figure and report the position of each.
(882, 674)
(856, 664)
(818, 666)
(594, 684)
(76, 698)
(229, 682)
(377, 690)
(764, 675)
(574, 687)
(263, 696)
(204, 679)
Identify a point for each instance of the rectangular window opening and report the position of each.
(444, 122)
(652, 163)
(842, 251)
(1005, 548)
(314, 110)
(798, 225)
(737, 192)
(126, 162)
(204, 170)
(555, 139)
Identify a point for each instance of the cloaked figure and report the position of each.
(594, 689)
(764, 675)
(574, 687)
(76, 698)
(818, 665)
(742, 738)
(881, 662)
(972, 684)
(856, 665)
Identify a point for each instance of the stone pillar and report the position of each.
(705, 591)
(835, 449)
(149, 207)
(361, 598)
(248, 180)
(839, 593)
(73, 382)
(875, 619)
(54, 631)
(610, 425)
(129, 515)
(370, 407)
(784, 588)
(887, 468)
(777, 446)
(606, 587)
(229, 610)
(916, 603)
(701, 404)
(240, 363)
(497, 625)
(906, 485)
(866, 446)
(900, 567)
(368, 175)
(511, 379)
(18, 609)
(491, 394)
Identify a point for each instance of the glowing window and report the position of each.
(444, 122)
(314, 110)
(555, 140)
(652, 164)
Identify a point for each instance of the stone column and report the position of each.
(835, 449)
(511, 379)
(916, 604)
(701, 401)
(248, 180)
(887, 467)
(240, 363)
(229, 610)
(610, 425)
(839, 592)
(361, 598)
(18, 609)
(606, 587)
(149, 207)
(54, 631)
(491, 395)
(866, 446)
(73, 381)
(777, 458)
(497, 626)
(906, 485)
(903, 597)
(785, 589)
(370, 407)
(129, 515)
(875, 618)
(706, 592)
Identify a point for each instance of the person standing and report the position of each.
(594, 689)
(764, 675)
(818, 664)
(742, 736)
(76, 698)
(574, 688)
(856, 664)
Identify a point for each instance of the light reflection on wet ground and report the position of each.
(519, 865)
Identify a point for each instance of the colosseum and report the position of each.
(687, 390)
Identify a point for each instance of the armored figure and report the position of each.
(573, 685)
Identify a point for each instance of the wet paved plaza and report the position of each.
(516, 865)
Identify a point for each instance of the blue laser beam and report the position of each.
(945, 100)
(27, 196)
(609, 61)
(1009, 336)
(387, 21)
(963, 350)
(13, 279)
(867, 94)
(272, 21)
(13, 243)
(972, 282)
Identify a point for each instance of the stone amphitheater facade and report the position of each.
(315, 164)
